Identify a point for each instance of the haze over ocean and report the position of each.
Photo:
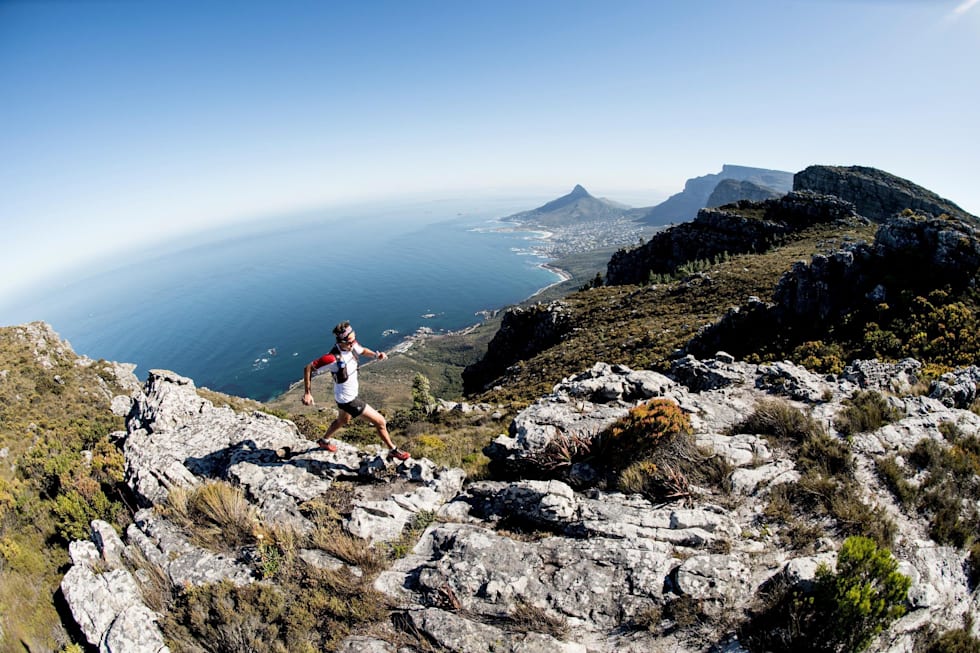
(243, 314)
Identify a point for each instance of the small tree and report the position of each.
(421, 395)
(842, 614)
(865, 595)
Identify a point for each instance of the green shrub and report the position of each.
(826, 358)
(826, 488)
(422, 397)
(866, 411)
(844, 611)
(949, 493)
(825, 455)
(863, 597)
(891, 473)
(309, 609)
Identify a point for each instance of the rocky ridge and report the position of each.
(738, 229)
(604, 560)
(821, 291)
(876, 194)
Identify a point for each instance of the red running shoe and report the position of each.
(326, 444)
(399, 454)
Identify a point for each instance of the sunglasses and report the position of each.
(348, 340)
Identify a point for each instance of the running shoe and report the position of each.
(327, 444)
(399, 454)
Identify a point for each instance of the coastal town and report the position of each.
(556, 242)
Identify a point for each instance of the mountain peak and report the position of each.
(578, 193)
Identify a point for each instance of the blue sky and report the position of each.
(125, 122)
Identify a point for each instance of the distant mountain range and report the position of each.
(697, 193)
(733, 183)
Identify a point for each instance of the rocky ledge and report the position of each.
(596, 564)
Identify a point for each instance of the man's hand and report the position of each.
(308, 399)
(382, 355)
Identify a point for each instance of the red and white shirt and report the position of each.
(345, 392)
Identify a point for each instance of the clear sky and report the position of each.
(128, 121)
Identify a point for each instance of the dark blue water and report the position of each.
(244, 313)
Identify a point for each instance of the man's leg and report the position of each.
(378, 420)
(343, 419)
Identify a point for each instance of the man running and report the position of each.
(341, 362)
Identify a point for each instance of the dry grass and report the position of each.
(527, 618)
(215, 515)
(347, 548)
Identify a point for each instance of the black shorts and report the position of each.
(353, 408)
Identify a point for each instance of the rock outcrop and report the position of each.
(875, 194)
(523, 332)
(177, 439)
(598, 570)
(908, 249)
(610, 560)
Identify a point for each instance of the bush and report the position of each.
(866, 411)
(844, 611)
(949, 493)
(654, 482)
(216, 515)
(638, 435)
(651, 451)
(865, 595)
(786, 423)
(527, 618)
(956, 641)
(891, 473)
(820, 357)
(422, 397)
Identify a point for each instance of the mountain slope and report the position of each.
(577, 207)
(729, 191)
(685, 205)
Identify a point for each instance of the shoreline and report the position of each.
(563, 276)
(424, 333)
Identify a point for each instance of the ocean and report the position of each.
(243, 310)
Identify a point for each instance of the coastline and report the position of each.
(423, 333)
(563, 276)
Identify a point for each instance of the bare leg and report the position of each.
(378, 420)
(343, 419)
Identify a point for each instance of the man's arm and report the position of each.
(307, 385)
(380, 355)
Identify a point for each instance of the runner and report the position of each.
(341, 362)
